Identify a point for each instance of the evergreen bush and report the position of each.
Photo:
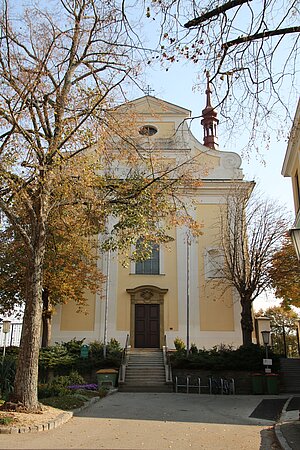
(223, 358)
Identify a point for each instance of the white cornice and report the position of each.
(293, 146)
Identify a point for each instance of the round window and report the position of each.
(148, 130)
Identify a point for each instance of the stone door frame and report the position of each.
(147, 294)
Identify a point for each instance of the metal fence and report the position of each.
(14, 335)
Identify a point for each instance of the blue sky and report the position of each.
(177, 86)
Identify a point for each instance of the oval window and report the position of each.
(148, 130)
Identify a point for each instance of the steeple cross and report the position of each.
(148, 90)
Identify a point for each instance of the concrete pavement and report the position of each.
(288, 428)
(158, 421)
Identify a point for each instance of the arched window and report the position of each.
(149, 266)
(214, 263)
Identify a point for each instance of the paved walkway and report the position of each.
(158, 421)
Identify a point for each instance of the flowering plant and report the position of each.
(89, 387)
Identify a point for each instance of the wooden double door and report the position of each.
(147, 325)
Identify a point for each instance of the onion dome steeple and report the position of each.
(210, 120)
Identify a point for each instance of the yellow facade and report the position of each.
(184, 299)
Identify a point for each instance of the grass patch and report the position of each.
(66, 402)
(6, 420)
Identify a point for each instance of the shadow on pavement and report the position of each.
(181, 408)
(269, 409)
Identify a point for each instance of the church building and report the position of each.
(178, 292)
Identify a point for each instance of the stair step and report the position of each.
(145, 372)
(142, 375)
(146, 361)
(146, 369)
(161, 388)
(290, 375)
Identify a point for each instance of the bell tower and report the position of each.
(210, 120)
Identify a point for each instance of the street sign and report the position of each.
(267, 362)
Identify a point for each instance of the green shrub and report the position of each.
(82, 397)
(60, 359)
(224, 358)
(66, 380)
(55, 356)
(66, 402)
(179, 344)
(49, 390)
(7, 420)
(58, 385)
(73, 347)
(194, 349)
(103, 391)
(7, 377)
(96, 350)
(114, 347)
(12, 352)
(113, 354)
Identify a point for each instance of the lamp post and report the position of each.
(266, 339)
(106, 304)
(5, 329)
(295, 235)
(188, 244)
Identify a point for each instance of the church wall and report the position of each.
(216, 308)
(127, 279)
(78, 321)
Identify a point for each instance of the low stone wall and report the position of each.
(242, 379)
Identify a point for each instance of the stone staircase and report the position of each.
(290, 375)
(145, 372)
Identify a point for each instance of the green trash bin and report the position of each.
(272, 383)
(258, 383)
(84, 351)
(107, 377)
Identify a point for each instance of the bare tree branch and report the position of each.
(215, 12)
(258, 36)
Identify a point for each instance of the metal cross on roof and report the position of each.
(148, 90)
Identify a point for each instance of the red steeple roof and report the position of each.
(210, 120)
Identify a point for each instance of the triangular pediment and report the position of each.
(149, 105)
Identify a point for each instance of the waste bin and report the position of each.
(84, 351)
(107, 377)
(258, 383)
(272, 383)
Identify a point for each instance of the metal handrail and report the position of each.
(124, 361)
(167, 362)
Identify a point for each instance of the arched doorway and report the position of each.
(147, 316)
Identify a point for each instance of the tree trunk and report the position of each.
(46, 318)
(246, 321)
(26, 380)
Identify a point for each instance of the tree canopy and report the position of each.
(285, 274)
(283, 324)
(252, 230)
(63, 68)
